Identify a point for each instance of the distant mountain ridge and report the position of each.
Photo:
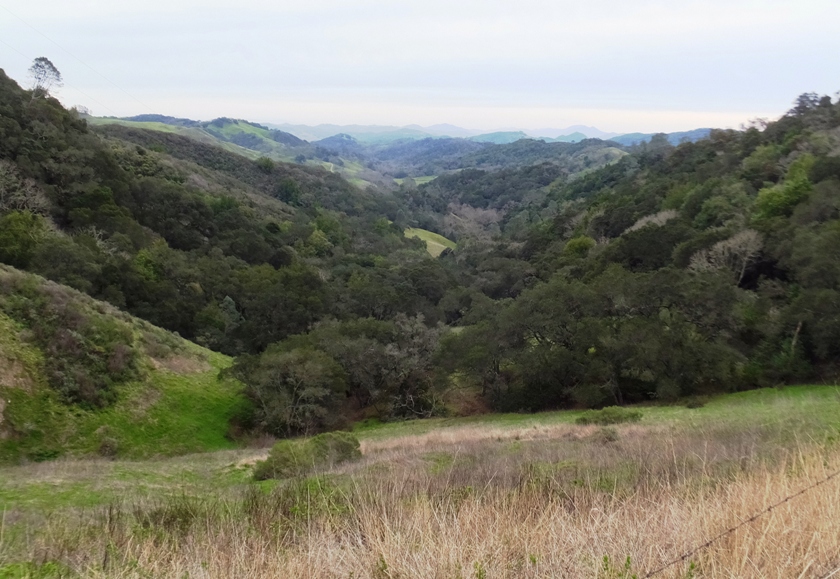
(380, 134)
(500, 137)
(589, 132)
(298, 135)
(673, 138)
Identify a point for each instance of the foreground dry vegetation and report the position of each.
(531, 496)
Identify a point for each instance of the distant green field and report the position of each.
(418, 180)
(153, 126)
(360, 183)
(195, 133)
(234, 128)
(435, 244)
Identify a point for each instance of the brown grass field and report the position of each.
(511, 497)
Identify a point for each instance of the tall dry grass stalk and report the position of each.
(484, 508)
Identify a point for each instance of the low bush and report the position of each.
(696, 402)
(291, 458)
(609, 415)
(605, 435)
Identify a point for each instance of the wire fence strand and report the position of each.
(752, 519)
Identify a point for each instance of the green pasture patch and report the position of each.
(233, 128)
(55, 494)
(435, 243)
(810, 406)
(166, 414)
(360, 183)
(150, 125)
(417, 180)
(610, 415)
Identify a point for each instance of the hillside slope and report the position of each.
(675, 271)
(80, 377)
(253, 141)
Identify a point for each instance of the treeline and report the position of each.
(436, 156)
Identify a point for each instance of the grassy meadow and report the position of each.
(435, 243)
(422, 180)
(482, 497)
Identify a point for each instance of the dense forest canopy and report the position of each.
(585, 274)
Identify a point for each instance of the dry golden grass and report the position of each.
(482, 503)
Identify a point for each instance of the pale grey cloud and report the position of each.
(643, 65)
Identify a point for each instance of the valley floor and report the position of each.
(495, 496)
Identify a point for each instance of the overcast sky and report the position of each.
(637, 65)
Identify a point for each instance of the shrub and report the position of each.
(696, 402)
(176, 515)
(20, 233)
(336, 447)
(109, 447)
(605, 435)
(291, 458)
(265, 164)
(609, 415)
(579, 246)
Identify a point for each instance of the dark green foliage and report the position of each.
(20, 233)
(825, 168)
(294, 392)
(609, 415)
(489, 189)
(317, 186)
(265, 164)
(684, 224)
(649, 248)
(305, 383)
(287, 191)
(295, 458)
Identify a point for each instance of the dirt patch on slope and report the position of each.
(13, 374)
(181, 364)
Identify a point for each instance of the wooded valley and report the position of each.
(583, 274)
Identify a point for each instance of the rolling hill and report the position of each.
(78, 377)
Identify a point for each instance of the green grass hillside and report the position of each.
(435, 243)
(196, 133)
(80, 377)
(254, 141)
